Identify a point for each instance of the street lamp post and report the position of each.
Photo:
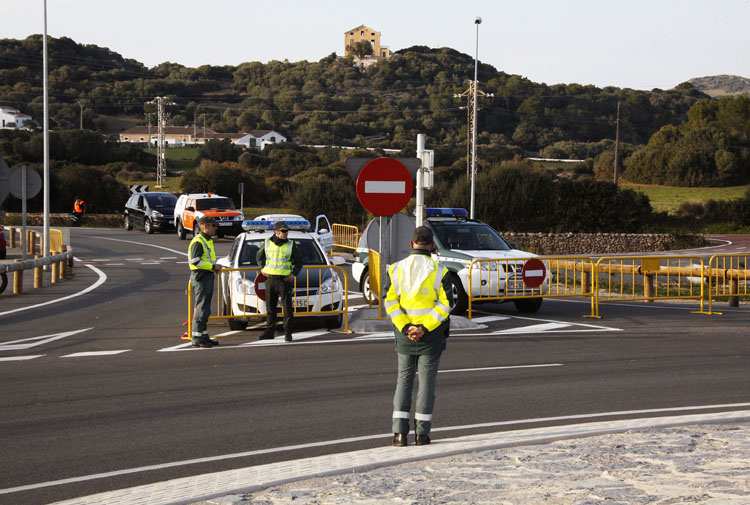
(477, 21)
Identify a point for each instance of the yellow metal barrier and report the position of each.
(345, 236)
(501, 279)
(728, 275)
(649, 278)
(249, 305)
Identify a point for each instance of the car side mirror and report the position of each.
(323, 230)
(191, 209)
(338, 260)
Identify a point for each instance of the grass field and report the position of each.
(178, 158)
(669, 198)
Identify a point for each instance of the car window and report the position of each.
(470, 237)
(213, 203)
(310, 252)
(161, 201)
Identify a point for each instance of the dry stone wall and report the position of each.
(600, 243)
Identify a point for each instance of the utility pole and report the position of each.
(80, 104)
(469, 93)
(617, 144)
(161, 157)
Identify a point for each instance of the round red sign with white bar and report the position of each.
(533, 273)
(384, 186)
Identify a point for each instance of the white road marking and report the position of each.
(168, 258)
(114, 265)
(324, 443)
(534, 328)
(141, 243)
(498, 368)
(134, 259)
(21, 358)
(102, 279)
(150, 263)
(94, 353)
(489, 319)
(27, 343)
(177, 347)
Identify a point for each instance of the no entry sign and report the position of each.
(533, 273)
(260, 286)
(384, 186)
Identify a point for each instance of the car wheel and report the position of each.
(128, 224)
(181, 233)
(148, 226)
(3, 282)
(364, 285)
(334, 322)
(196, 229)
(528, 305)
(460, 300)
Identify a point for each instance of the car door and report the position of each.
(140, 211)
(324, 233)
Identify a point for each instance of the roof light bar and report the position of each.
(445, 212)
(300, 225)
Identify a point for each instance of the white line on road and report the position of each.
(483, 369)
(324, 443)
(102, 279)
(94, 353)
(27, 343)
(141, 243)
(21, 358)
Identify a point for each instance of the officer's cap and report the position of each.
(280, 225)
(207, 220)
(422, 236)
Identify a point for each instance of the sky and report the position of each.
(639, 44)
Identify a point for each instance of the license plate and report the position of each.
(300, 303)
(225, 224)
(514, 285)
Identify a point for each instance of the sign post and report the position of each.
(24, 183)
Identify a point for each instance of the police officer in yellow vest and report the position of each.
(418, 304)
(281, 261)
(202, 262)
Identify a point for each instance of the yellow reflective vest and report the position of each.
(416, 295)
(205, 261)
(278, 258)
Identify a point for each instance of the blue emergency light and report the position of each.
(445, 212)
(299, 225)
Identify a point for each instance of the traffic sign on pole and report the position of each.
(384, 186)
(260, 286)
(533, 273)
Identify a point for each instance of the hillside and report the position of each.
(720, 85)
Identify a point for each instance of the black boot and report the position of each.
(399, 440)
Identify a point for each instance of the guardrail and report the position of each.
(728, 277)
(249, 304)
(615, 279)
(60, 260)
(345, 236)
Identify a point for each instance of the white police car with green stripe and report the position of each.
(459, 241)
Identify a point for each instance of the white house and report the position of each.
(260, 138)
(12, 118)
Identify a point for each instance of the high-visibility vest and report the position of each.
(79, 206)
(278, 258)
(416, 295)
(207, 260)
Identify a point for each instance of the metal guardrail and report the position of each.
(728, 277)
(301, 304)
(345, 236)
(60, 260)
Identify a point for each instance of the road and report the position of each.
(100, 393)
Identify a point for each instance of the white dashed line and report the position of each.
(94, 353)
(21, 358)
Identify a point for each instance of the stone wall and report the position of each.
(601, 243)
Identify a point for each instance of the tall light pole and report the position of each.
(45, 232)
(477, 21)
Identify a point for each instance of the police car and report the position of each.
(321, 231)
(459, 241)
(317, 290)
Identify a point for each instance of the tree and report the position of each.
(360, 49)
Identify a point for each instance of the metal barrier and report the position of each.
(60, 259)
(501, 279)
(249, 304)
(345, 236)
(728, 276)
(649, 278)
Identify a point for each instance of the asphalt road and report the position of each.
(99, 392)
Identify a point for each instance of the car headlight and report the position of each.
(486, 266)
(238, 218)
(158, 214)
(243, 286)
(330, 285)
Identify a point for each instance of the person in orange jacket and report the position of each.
(79, 209)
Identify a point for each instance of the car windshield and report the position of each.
(161, 201)
(469, 237)
(213, 203)
(311, 254)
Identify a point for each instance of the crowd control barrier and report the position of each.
(728, 276)
(345, 236)
(503, 280)
(649, 278)
(231, 304)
